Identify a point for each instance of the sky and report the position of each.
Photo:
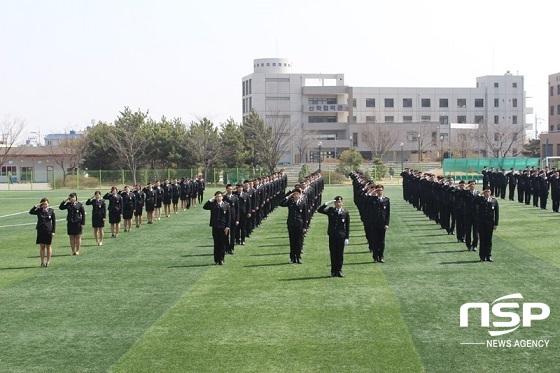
(64, 64)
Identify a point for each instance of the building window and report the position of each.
(322, 119)
(514, 102)
(496, 85)
(353, 102)
(426, 102)
(268, 64)
(355, 139)
(496, 102)
(551, 91)
(443, 119)
(389, 102)
(514, 136)
(407, 119)
(407, 102)
(389, 119)
(558, 109)
(514, 151)
(249, 86)
(496, 119)
(551, 128)
(370, 102)
(514, 119)
(461, 119)
(514, 85)
(552, 110)
(244, 85)
(354, 119)
(496, 136)
(478, 102)
(461, 102)
(8, 169)
(443, 102)
(426, 118)
(412, 136)
(478, 119)
(244, 109)
(370, 118)
(274, 64)
(321, 101)
(558, 127)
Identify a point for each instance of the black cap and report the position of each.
(338, 198)
(462, 182)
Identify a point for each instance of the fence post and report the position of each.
(122, 176)
(32, 180)
(236, 174)
(54, 180)
(100, 180)
(329, 168)
(77, 179)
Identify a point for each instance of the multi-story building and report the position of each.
(550, 140)
(404, 122)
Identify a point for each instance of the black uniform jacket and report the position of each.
(339, 222)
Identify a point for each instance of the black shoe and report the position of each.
(231, 252)
(490, 259)
(292, 261)
(382, 260)
(298, 261)
(242, 243)
(221, 262)
(333, 274)
(375, 259)
(474, 248)
(339, 274)
(43, 265)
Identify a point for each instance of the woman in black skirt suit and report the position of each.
(140, 198)
(167, 194)
(158, 190)
(150, 201)
(98, 216)
(175, 194)
(129, 205)
(46, 226)
(76, 220)
(115, 211)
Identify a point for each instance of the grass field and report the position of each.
(152, 300)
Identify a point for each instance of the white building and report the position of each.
(325, 109)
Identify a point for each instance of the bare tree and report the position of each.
(204, 143)
(129, 139)
(10, 131)
(502, 138)
(68, 154)
(464, 141)
(303, 142)
(379, 137)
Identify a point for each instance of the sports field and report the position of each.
(153, 301)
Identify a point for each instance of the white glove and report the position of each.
(329, 202)
(346, 242)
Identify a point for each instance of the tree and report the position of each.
(204, 142)
(464, 141)
(268, 140)
(98, 153)
(231, 138)
(10, 131)
(166, 142)
(349, 160)
(129, 139)
(68, 154)
(303, 142)
(501, 139)
(532, 148)
(379, 137)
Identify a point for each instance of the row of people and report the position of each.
(459, 209)
(375, 212)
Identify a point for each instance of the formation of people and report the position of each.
(472, 216)
(534, 185)
(375, 212)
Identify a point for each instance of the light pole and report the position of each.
(441, 148)
(320, 146)
(420, 147)
(402, 156)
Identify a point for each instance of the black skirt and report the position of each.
(114, 217)
(74, 229)
(97, 221)
(44, 237)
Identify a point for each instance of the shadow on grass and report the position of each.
(359, 263)
(193, 265)
(4, 269)
(268, 254)
(304, 278)
(358, 252)
(276, 245)
(54, 255)
(205, 246)
(268, 264)
(447, 251)
(462, 262)
(185, 256)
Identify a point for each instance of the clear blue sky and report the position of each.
(64, 63)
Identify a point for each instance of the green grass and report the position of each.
(152, 300)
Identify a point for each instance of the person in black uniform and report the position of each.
(220, 221)
(244, 206)
(76, 220)
(167, 195)
(338, 231)
(115, 211)
(511, 181)
(129, 206)
(555, 191)
(98, 216)
(232, 200)
(158, 191)
(488, 217)
(544, 186)
(297, 223)
(381, 215)
(471, 216)
(184, 193)
(150, 202)
(46, 227)
(140, 200)
(201, 186)
(175, 194)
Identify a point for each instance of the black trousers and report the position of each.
(460, 224)
(230, 245)
(520, 196)
(220, 242)
(241, 228)
(485, 232)
(511, 192)
(544, 199)
(471, 231)
(378, 239)
(296, 241)
(336, 248)
(555, 203)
